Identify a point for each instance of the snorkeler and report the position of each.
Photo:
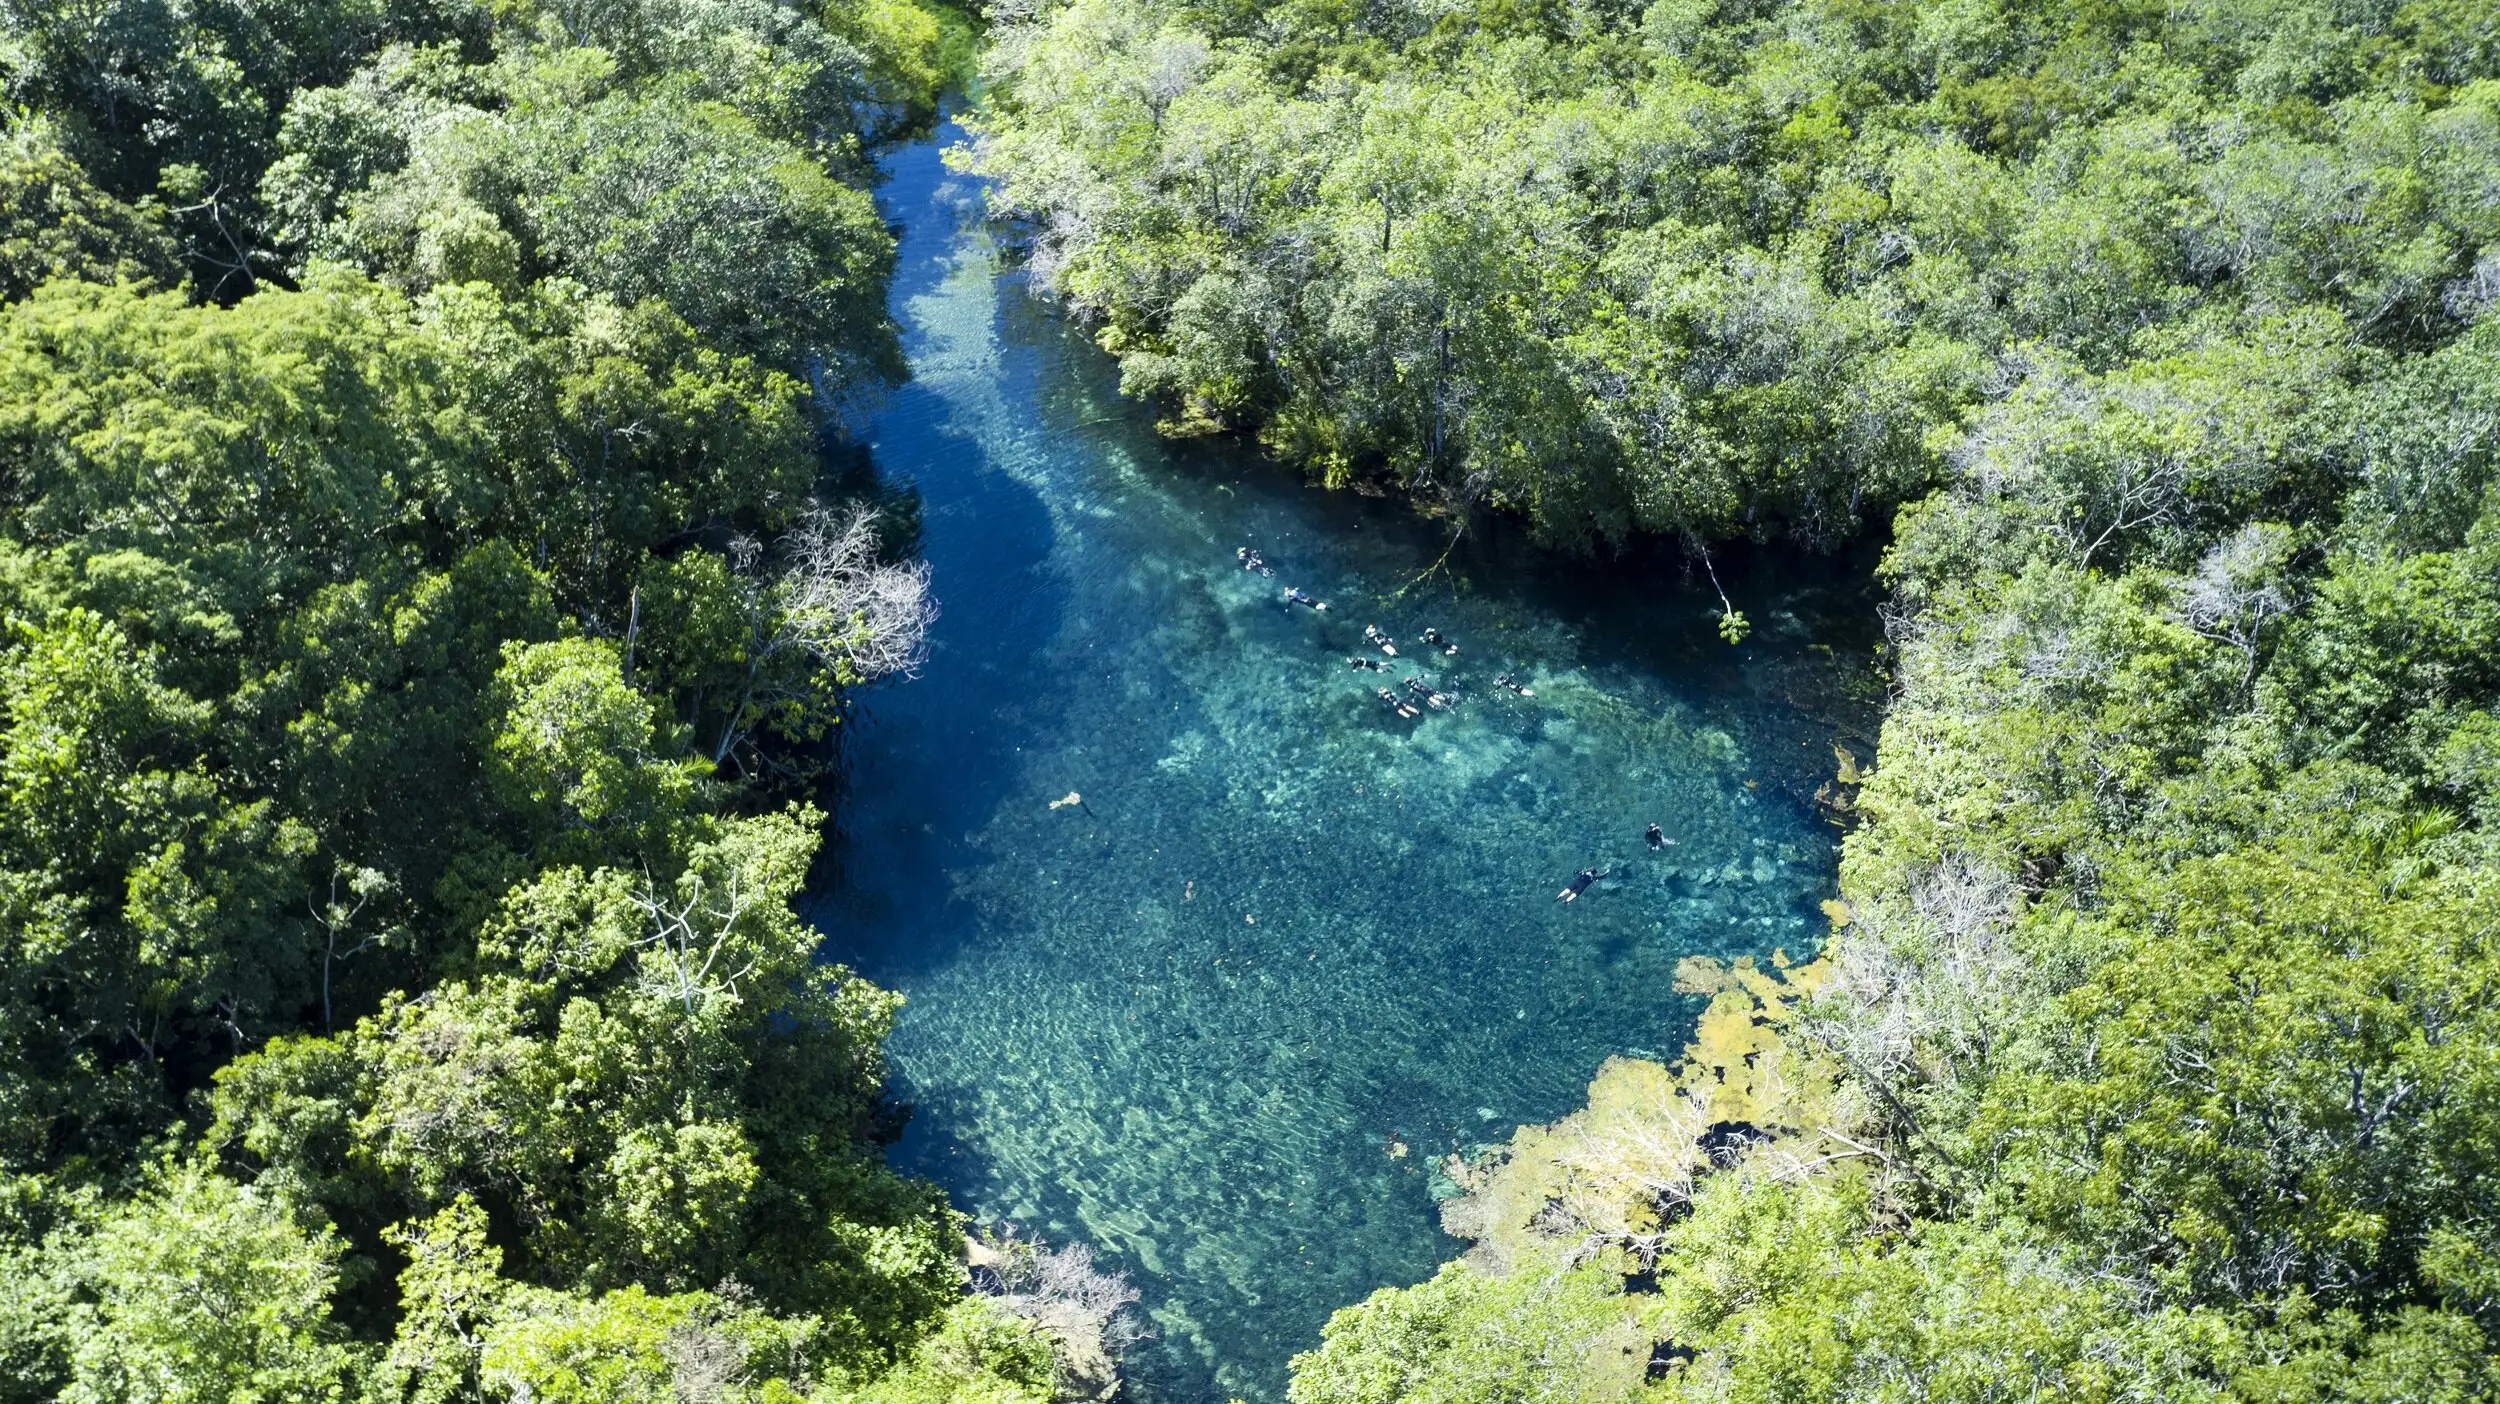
(1396, 704)
(1379, 640)
(1578, 885)
(1297, 597)
(1251, 560)
(1436, 700)
(1362, 664)
(1658, 841)
(1505, 680)
(1436, 639)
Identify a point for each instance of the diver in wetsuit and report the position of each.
(1395, 704)
(1434, 699)
(1657, 839)
(1506, 680)
(1579, 884)
(1297, 597)
(1379, 640)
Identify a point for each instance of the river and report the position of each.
(1285, 931)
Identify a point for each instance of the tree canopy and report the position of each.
(422, 609)
(1721, 269)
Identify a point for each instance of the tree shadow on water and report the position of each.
(927, 761)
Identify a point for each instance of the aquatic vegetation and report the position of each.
(1604, 1183)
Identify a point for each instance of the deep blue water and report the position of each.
(1183, 1020)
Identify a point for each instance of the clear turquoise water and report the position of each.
(1183, 1020)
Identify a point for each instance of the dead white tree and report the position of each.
(831, 615)
(691, 953)
(1082, 1308)
(1622, 1165)
(1926, 993)
(1061, 1289)
(1172, 65)
(2237, 590)
(2100, 462)
(842, 604)
(338, 915)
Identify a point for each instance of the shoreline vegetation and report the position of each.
(2151, 1053)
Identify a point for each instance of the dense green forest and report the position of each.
(2155, 1053)
(1726, 268)
(421, 617)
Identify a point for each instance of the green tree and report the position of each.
(55, 222)
(202, 1290)
(1464, 1335)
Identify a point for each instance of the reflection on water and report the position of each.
(1183, 1019)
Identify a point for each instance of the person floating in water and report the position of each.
(1395, 704)
(1295, 596)
(1365, 664)
(1436, 639)
(1436, 700)
(1251, 560)
(1505, 680)
(1379, 640)
(1579, 884)
(1658, 841)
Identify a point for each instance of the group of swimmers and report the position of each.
(1421, 692)
(1438, 697)
(1421, 689)
(1654, 836)
(1252, 561)
(1387, 643)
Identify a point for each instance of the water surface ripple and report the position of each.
(1184, 1019)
